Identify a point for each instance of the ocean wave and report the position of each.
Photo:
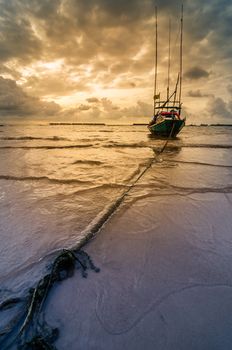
(165, 188)
(105, 130)
(220, 189)
(200, 145)
(169, 147)
(74, 123)
(43, 178)
(127, 145)
(89, 162)
(198, 163)
(90, 189)
(110, 145)
(48, 147)
(28, 138)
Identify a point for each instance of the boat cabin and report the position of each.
(172, 114)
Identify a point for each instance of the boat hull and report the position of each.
(167, 128)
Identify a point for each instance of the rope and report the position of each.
(29, 329)
(106, 214)
(168, 139)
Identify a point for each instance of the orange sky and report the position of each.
(86, 60)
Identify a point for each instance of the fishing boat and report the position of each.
(167, 120)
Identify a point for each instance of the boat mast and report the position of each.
(156, 58)
(175, 91)
(181, 54)
(169, 58)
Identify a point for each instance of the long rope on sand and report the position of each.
(106, 214)
(29, 329)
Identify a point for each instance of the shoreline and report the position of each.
(163, 244)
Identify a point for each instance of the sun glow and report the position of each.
(52, 65)
(42, 67)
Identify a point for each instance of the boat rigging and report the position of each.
(167, 120)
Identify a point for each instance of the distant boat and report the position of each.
(167, 120)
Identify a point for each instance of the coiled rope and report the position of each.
(29, 329)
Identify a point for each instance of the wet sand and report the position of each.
(165, 254)
(165, 280)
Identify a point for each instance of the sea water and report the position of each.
(57, 182)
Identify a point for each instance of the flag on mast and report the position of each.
(157, 97)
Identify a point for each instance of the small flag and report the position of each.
(157, 97)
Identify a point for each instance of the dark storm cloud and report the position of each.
(17, 38)
(64, 21)
(80, 30)
(195, 73)
(197, 93)
(207, 32)
(14, 101)
(74, 30)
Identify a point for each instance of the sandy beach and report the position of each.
(165, 280)
(164, 251)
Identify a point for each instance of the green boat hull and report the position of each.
(167, 128)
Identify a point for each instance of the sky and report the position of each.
(93, 60)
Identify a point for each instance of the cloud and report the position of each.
(14, 101)
(17, 40)
(49, 84)
(217, 107)
(109, 45)
(106, 110)
(229, 88)
(92, 100)
(8, 72)
(83, 107)
(195, 73)
(197, 93)
(79, 30)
